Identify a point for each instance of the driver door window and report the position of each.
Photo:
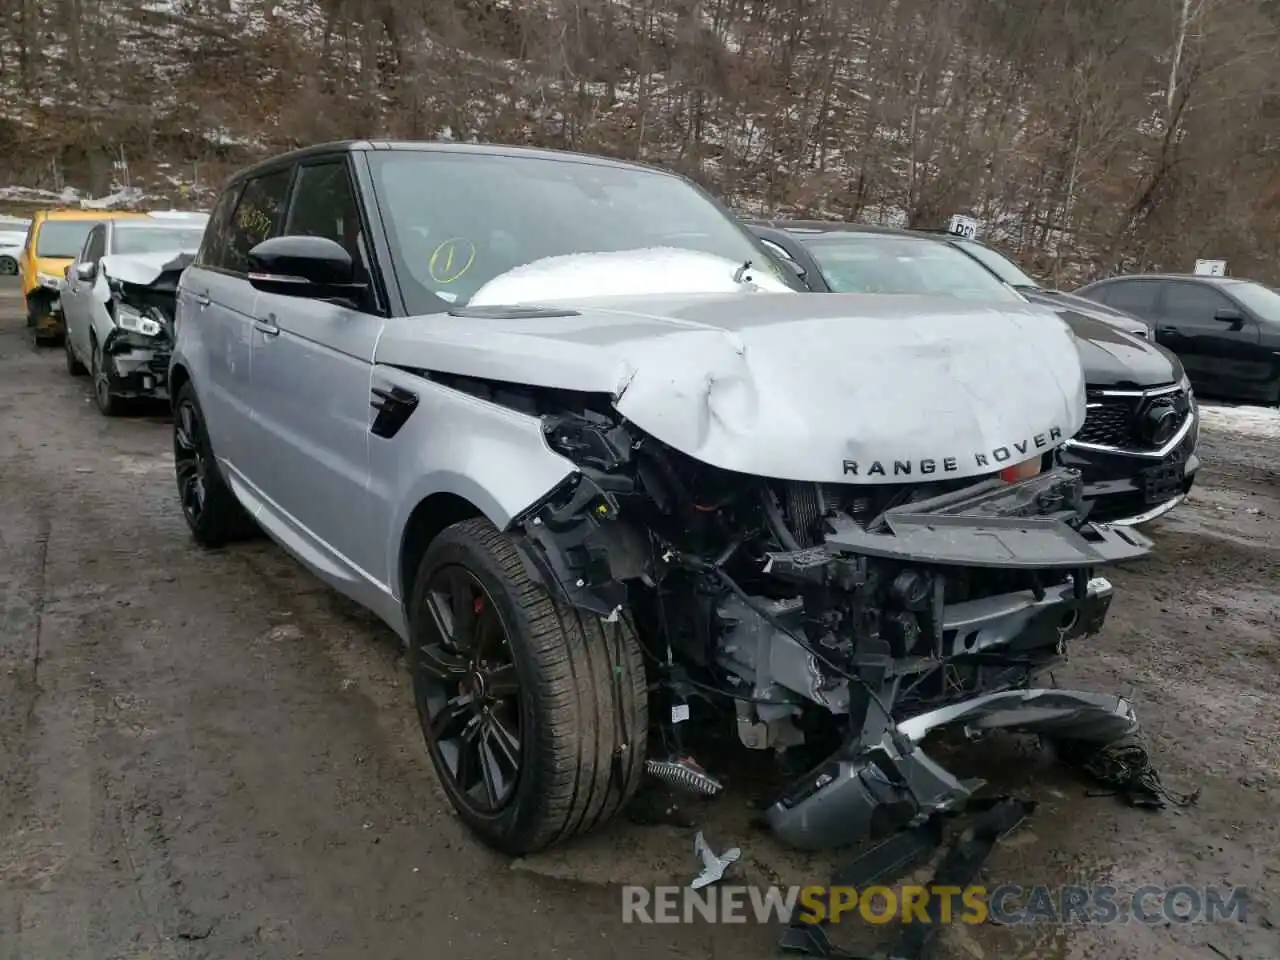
(94, 245)
(1193, 305)
(324, 205)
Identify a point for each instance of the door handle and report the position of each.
(266, 328)
(1167, 331)
(203, 300)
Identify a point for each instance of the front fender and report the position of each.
(494, 458)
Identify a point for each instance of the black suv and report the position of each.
(1225, 331)
(1137, 448)
(1016, 277)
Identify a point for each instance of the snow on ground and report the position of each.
(1248, 421)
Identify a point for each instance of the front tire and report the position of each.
(535, 714)
(211, 510)
(8, 267)
(108, 404)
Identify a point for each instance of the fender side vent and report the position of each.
(394, 406)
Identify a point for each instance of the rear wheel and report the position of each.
(535, 714)
(8, 266)
(211, 510)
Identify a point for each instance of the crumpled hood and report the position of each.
(1112, 358)
(142, 269)
(839, 388)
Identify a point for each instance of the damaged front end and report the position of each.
(833, 624)
(44, 310)
(136, 350)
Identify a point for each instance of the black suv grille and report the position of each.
(1139, 422)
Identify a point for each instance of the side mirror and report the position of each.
(1232, 316)
(85, 271)
(300, 266)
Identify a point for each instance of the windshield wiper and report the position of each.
(741, 272)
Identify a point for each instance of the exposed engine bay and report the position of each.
(817, 619)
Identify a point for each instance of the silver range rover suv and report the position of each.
(558, 421)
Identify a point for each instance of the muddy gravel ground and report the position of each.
(212, 755)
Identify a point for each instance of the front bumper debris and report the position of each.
(44, 314)
(995, 524)
(135, 365)
(902, 854)
(874, 790)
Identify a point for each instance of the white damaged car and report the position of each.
(118, 304)
(563, 425)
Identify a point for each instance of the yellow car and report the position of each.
(53, 242)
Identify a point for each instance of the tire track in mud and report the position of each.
(70, 800)
(46, 808)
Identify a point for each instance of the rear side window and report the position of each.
(257, 217)
(217, 232)
(1137, 297)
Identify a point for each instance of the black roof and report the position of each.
(434, 146)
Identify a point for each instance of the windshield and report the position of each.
(457, 220)
(997, 263)
(62, 238)
(148, 239)
(885, 263)
(1261, 300)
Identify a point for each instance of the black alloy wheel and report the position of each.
(211, 510)
(534, 712)
(468, 692)
(190, 463)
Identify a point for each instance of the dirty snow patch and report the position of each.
(1248, 421)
